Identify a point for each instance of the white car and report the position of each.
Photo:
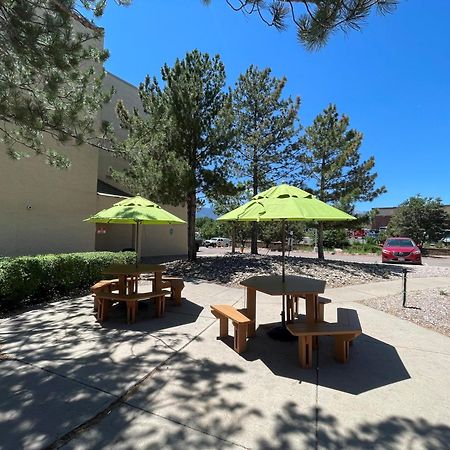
(217, 242)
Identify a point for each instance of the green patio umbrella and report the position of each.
(285, 203)
(135, 211)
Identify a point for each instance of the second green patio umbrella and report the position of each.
(135, 211)
(285, 203)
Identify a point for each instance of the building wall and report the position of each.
(42, 207)
(129, 95)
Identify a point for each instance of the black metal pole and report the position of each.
(233, 239)
(283, 278)
(137, 243)
(404, 288)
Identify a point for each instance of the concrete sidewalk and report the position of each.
(169, 383)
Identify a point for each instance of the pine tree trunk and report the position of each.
(254, 238)
(233, 239)
(320, 253)
(191, 212)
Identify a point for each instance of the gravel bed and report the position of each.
(231, 269)
(428, 308)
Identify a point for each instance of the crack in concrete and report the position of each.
(123, 400)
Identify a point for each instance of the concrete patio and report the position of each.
(67, 381)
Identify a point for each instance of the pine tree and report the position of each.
(50, 76)
(330, 164)
(318, 20)
(177, 151)
(267, 130)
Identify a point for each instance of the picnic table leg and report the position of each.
(312, 308)
(122, 284)
(251, 311)
(157, 283)
(103, 309)
(176, 294)
(99, 308)
(132, 284)
(341, 347)
(131, 317)
(305, 351)
(291, 308)
(223, 327)
(160, 303)
(240, 337)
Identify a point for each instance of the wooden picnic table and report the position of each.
(128, 275)
(295, 286)
(127, 286)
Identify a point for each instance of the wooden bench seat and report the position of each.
(292, 308)
(103, 286)
(176, 285)
(106, 298)
(344, 330)
(240, 323)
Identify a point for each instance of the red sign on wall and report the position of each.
(101, 230)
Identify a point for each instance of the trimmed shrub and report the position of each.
(365, 248)
(336, 238)
(33, 279)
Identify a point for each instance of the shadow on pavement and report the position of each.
(188, 404)
(366, 369)
(393, 433)
(187, 312)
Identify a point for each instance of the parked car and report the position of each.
(198, 240)
(217, 242)
(373, 233)
(401, 249)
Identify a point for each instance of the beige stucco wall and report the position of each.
(129, 95)
(156, 240)
(42, 208)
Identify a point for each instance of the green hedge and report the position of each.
(30, 279)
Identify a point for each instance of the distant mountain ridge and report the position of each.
(206, 212)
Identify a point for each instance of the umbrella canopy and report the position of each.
(135, 211)
(285, 202)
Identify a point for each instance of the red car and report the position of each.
(401, 249)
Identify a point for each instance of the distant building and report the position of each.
(384, 215)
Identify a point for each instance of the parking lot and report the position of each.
(439, 261)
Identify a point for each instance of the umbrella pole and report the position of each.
(283, 275)
(136, 244)
(281, 333)
(283, 233)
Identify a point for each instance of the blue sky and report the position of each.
(392, 78)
